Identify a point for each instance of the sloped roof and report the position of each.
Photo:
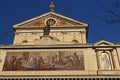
(61, 20)
(103, 43)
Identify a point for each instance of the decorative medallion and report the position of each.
(50, 22)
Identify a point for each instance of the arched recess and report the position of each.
(106, 61)
(24, 41)
(75, 41)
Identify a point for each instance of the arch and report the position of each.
(24, 41)
(75, 41)
(105, 61)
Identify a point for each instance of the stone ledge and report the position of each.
(109, 72)
(47, 73)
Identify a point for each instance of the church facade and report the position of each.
(53, 45)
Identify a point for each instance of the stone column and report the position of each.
(115, 59)
(98, 60)
(2, 57)
(81, 36)
(84, 37)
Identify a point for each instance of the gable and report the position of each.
(103, 43)
(59, 21)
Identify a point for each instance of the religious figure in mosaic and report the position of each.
(43, 60)
(105, 61)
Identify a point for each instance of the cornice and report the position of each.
(60, 46)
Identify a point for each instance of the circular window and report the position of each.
(50, 22)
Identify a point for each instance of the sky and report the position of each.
(16, 11)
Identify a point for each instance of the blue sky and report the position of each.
(16, 11)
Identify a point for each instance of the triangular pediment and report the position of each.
(103, 43)
(59, 21)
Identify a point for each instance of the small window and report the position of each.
(75, 41)
(24, 41)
